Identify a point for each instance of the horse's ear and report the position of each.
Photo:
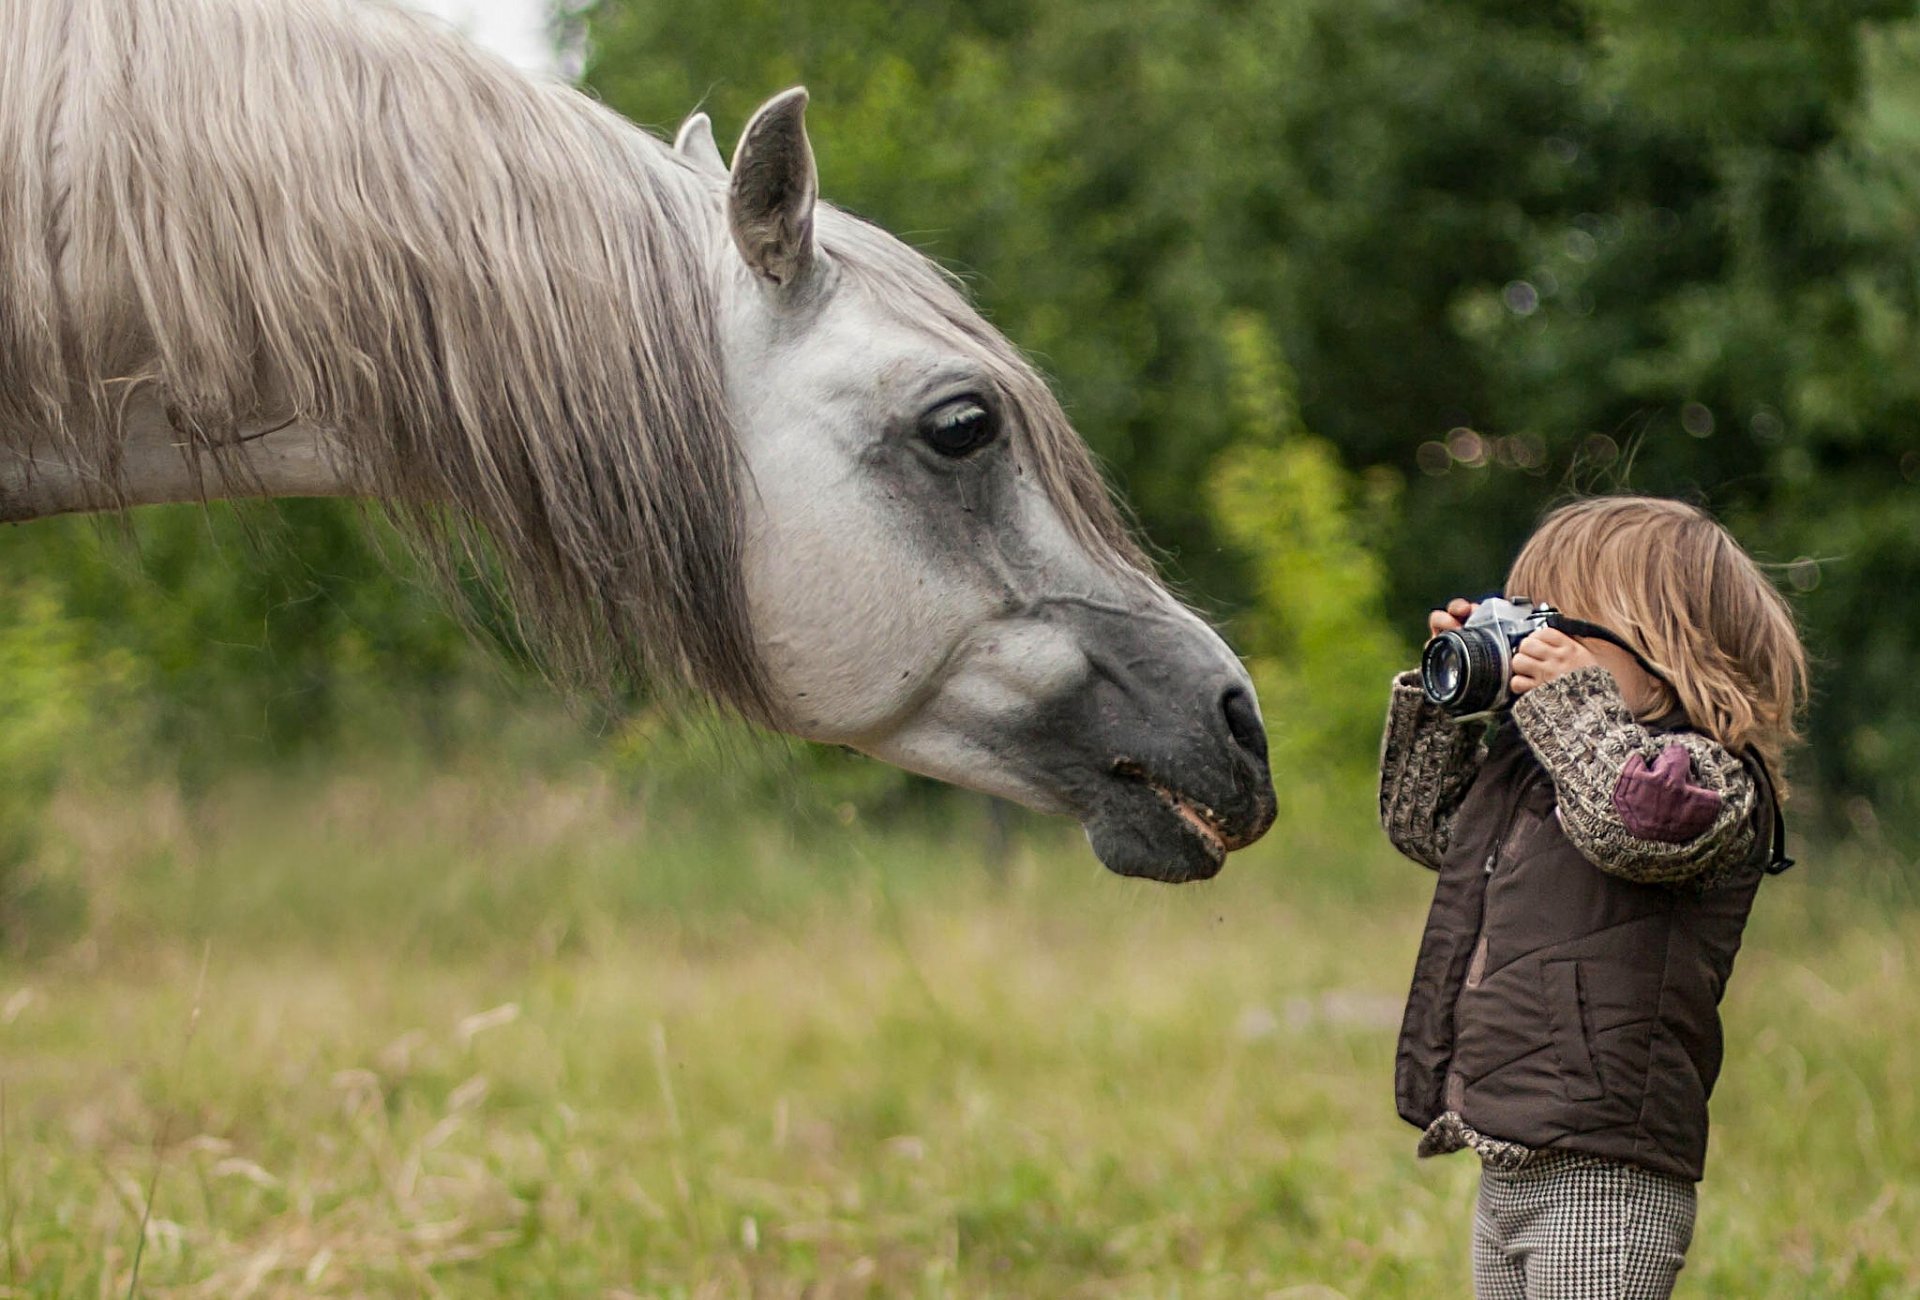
(771, 197)
(695, 144)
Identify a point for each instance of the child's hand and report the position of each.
(1450, 619)
(1545, 655)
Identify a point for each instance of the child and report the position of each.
(1598, 849)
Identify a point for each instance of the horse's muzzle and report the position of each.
(1175, 812)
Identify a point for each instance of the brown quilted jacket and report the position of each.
(1594, 878)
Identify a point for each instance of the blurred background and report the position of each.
(337, 955)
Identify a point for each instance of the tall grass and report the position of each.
(476, 1031)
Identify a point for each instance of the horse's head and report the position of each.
(935, 573)
(696, 428)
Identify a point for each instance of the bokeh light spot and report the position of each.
(1529, 450)
(1467, 447)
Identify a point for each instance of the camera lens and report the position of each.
(1445, 668)
(1464, 671)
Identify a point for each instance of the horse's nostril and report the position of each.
(1243, 721)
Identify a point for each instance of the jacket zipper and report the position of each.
(1476, 966)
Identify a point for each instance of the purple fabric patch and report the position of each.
(1659, 803)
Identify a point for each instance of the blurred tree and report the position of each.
(257, 632)
(1708, 290)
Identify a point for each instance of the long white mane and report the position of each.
(492, 293)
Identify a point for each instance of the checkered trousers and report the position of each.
(1565, 1226)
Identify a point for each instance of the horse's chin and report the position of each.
(1155, 841)
(1164, 849)
(1142, 827)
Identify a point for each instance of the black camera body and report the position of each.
(1468, 672)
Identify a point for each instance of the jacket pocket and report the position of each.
(1566, 1011)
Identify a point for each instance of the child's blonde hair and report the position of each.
(1671, 582)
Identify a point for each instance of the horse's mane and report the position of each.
(476, 283)
(339, 212)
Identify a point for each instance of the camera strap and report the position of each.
(1777, 859)
(1581, 628)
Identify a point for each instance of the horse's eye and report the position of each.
(959, 428)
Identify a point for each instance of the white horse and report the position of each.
(698, 424)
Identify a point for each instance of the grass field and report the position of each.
(472, 1034)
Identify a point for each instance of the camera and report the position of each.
(1467, 671)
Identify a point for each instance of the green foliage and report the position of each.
(1317, 634)
(1668, 246)
(56, 701)
(675, 754)
(256, 631)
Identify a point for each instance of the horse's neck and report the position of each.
(155, 463)
(156, 466)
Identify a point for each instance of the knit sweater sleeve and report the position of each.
(1651, 806)
(1427, 761)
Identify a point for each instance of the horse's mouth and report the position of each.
(1214, 833)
